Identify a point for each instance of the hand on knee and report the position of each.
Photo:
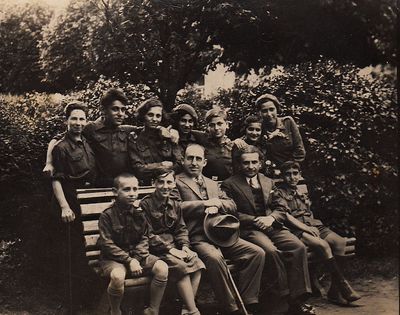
(160, 270)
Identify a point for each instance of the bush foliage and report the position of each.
(347, 117)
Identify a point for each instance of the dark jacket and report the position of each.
(287, 148)
(110, 146)
(148, 151)
(296, 203)
(124, 234)
(237, 188)
(166, 220)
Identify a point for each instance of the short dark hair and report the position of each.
(113, 95)
(117, 179)
(72, 106)
(216, 112)
(248, 149)
(161, 173)
(144, 107)
(265, 98)
(250, 120)
(287, 165)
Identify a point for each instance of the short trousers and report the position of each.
(323, 231)
(147, 264)
(178, 268)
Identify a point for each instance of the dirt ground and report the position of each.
(377, 282)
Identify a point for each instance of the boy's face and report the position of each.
(250, 164)
(115, 113)
(127, 191)
(164, 185)
(76, 121)
(186, 124)
(217, 127)
(292, 176)
(253, 131)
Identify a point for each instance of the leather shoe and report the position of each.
(301, 309)
(334, 296)
(348, 292)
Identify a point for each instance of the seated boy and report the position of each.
(312, 232)
(125, 248)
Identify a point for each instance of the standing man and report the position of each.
(286, 256)
(201, 195)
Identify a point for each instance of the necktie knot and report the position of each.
(254, 183)
(199, 180)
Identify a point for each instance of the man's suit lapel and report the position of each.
(245, 189)
(266, 186)
(191, 184)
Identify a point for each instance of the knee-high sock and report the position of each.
(157, 288)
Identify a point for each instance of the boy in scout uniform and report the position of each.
(313, 232)
(124, 243)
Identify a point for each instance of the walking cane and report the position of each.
(69, 273)
(236, 293)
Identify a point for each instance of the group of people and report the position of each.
(197, 176)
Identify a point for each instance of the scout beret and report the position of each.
(186, 108)
(265, 98)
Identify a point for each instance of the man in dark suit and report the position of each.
(286, 257)
(201, 195)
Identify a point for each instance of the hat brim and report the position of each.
(232, 240)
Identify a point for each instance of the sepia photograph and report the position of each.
(199, 157)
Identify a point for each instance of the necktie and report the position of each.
(200, 182)
(254, 183)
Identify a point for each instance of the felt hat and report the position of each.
(221, 229)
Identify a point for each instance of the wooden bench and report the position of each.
(95, 200)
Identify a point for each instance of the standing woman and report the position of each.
(74, 167)
(184, 120)
(169, 239)
(281, 135)
(218, 146)
(154, 149)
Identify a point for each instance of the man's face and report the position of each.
(186, 124)
(250, 164)
(153, 117)
(253, 132)
(115, 113)
(127, 191)
(268, 111)
(194, 161)
(164, 185)
(292, 176)
(76, 121)
(217, 127)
